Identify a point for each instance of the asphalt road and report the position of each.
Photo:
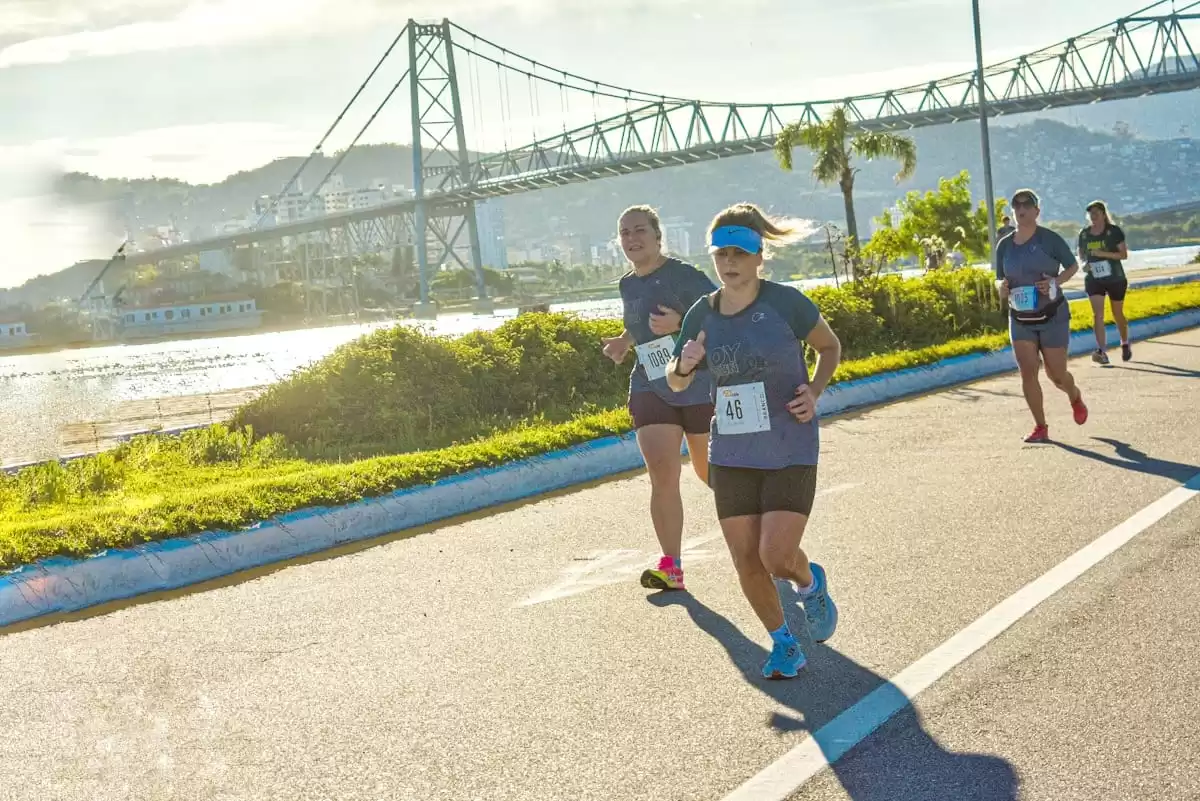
(514, 656)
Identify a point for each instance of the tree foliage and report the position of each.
(935, 223)
(834, 151)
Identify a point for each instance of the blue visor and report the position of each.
(736, 236)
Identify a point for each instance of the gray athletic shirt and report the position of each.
(756, 359)
(1046, 253)
(675, 285)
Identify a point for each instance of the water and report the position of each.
(46, 390)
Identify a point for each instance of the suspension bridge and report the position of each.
(580, 129)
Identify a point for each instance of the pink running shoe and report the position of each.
(667, 576)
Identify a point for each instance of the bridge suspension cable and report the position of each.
(342, 156)
(320, 144)
(567, 76)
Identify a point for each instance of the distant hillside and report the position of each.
(1067, 165)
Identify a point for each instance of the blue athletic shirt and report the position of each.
(1024, 265)
(675, 285)
(756, 358)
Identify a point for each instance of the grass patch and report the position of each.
(1139, 305)
(155, 488)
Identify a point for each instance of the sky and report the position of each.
(199, 89)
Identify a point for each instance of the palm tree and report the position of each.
(827, 141)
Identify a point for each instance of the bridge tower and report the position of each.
(432, 78)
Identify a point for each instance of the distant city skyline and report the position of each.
(199, 90)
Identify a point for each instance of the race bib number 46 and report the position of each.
(655, 355)
(1023, 298)
(742, 409)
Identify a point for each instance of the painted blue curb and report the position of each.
(60, 585)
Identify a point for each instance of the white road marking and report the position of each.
(613, 567)
(829, 743)
(603, 568)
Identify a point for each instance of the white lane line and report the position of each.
(603, 568)
(788, 773)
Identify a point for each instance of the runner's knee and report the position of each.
(663, 467)
(776, 555)
(746, 560)
(1058, 377)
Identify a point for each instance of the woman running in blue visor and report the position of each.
(764, 440)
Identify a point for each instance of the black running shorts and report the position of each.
(1115, 288)
(647, 409)
(742, 491)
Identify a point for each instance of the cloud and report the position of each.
(146, 25)
(193, 153)
(24, 20)
(43, 232)
(42, 236)
(53, 31)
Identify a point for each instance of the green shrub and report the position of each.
(972, 300)
(400, 390)
(852, 317)
(888, 313)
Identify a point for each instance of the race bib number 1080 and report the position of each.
(742, 409)
(655, 355)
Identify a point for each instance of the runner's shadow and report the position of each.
(899, 761)
(1130, 458)
(1163, 369)
(976, 394)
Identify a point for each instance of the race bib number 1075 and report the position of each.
(1023, 298)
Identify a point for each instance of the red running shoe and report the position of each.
(1080, 409)
(1040, 434)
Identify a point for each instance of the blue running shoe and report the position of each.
(785, 661)
(819, 609)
